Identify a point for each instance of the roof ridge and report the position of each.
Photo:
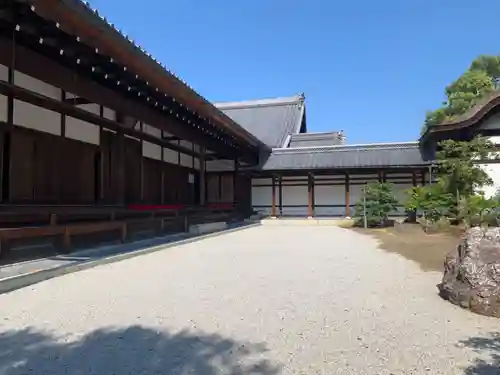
(296, 99)
(368, 146)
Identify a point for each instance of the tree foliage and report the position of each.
(458, 179)
(480, 80)
(379, 202)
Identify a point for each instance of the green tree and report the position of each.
(431, 201)
(457, 169)
(458, 178)
(378, 203)
(480, 80)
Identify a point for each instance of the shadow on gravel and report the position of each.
(135, 350)
(485, 346)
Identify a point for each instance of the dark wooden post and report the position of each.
(413, 178)
(310, 195)
(280, 194)
(235, 185)
(202, 177)
(423, 177)
(273, 197)
(121, 168)
(380, 177)
(141, 165)
(347, 196)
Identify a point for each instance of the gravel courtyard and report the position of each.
(262, 301)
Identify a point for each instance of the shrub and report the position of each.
(379, 202)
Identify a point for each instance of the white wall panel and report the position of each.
(186, 160)
(493, 170)
(82, 131)
(295, 195)
(186, 144)
(3, 108)
(151, 150)
(170, 156)
(155, 132)
(33, 84)
(109, 113)
(33, 117)
(92, 108)
(261, 196)
(329, 195)
(4, 73)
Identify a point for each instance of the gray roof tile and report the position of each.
(316, 139)
(346, 156)
(272, 121)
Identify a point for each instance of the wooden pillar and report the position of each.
(423, 177)
(347, 196)
(310, 195)
(162, 177)
(280, 195)
(203, 183)
(273, 197)
(235, 185)
(121, 168)
(414, 178)
(380, 177)
(5, 169)
(141, 165)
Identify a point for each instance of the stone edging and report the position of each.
(20, 281)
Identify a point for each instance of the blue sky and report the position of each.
(370, 68)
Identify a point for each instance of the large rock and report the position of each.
(472, 273)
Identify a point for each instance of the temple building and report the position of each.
(94, 130)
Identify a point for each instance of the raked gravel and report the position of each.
(262, 301)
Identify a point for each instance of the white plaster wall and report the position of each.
(155, 132)
(109, 113)
(186, 160)
(170, 156)
(82, 131)
(33, 117)
(261, 196)
(35, 85)
(3, 108)
(493, 170)
(329, 195)
(151, 150)
(294, 195)
(92, 108)
(186, 144)
(4, 73)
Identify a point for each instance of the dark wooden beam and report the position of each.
(41, 67)
(27, 96)
(280, 195)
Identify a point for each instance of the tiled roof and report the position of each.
(272, 121)
(474, 115)
(348, 156)
(316, 139)
(100, 25)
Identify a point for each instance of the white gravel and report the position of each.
(266, 300)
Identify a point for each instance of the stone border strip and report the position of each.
(20, 281)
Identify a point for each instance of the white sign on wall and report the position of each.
(191, 178)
